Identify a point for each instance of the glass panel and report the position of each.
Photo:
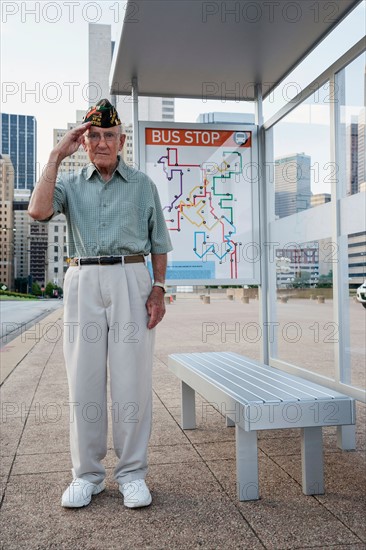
(352, 90)
(229, 323)
(302, 168)
(303, 329)
(356, 372)
(349, 31)
(351, 83)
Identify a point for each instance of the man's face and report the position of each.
(103, 145)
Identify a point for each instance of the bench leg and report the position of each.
(229, 423)
(346, 437)
(188, 407)
(246, 464)
(312, 461)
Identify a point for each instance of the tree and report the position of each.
(21, 285)
(52, 290)
(303, 280)
(326, 281)
(36, 289)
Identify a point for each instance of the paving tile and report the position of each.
(171, 454)
(17, 392)
(191, 472)
(345, 486)
(275, 434)
(330, 442)
(283, 518)
(5, 465)
(210, 425)
(60, 461)
(360, 546)
(160, 454)
(48, 437)
(219, 450)
(181, 515)
(10, 435)
(165, 430)
(39, 463)
(281, 446)
(288, 442)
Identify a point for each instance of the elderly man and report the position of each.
(114, 220)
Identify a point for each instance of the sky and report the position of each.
(44, 62)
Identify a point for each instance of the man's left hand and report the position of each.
(155, 306)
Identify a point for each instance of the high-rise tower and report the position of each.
(18, 139)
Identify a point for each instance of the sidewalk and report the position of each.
(191, 474)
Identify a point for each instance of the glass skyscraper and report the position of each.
(18, 139)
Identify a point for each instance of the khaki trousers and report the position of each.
(105, 324)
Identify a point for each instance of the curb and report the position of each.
(14, 352)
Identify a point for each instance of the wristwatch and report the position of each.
(160, 285)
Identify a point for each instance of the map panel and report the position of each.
(204, 179)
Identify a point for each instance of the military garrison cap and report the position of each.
(103, 114)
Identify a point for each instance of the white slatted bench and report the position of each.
(254, 396)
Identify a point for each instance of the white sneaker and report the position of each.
(79, 493)
(135, 494)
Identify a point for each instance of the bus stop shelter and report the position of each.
(243, 52)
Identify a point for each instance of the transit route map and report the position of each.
(204, 179)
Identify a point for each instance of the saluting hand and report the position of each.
(71, 141)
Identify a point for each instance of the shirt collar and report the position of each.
(122, 168)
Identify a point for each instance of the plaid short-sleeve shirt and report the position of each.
(120, 217)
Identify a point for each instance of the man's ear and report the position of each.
(122, 140)
(83, 142)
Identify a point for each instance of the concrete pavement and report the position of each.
(192, 473)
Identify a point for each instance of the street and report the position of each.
(21, 315)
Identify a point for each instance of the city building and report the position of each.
(356, 172)
(326, 256)
(219, 117)
(100, 58)
(320, 198)
(292, 184)
(79, 158)
(22, 222)
(57, 232)
(18, 139)
(127, 151)
(57, 250)
(361, 131)
(150, 108)
(352, 156)
(167, 110)
(357, 259)
(37, 246)
(6, 222)
(303, 265)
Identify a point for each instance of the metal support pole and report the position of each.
(340, 266)
(263, 287)
(135, 122)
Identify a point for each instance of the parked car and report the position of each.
(361, 294)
